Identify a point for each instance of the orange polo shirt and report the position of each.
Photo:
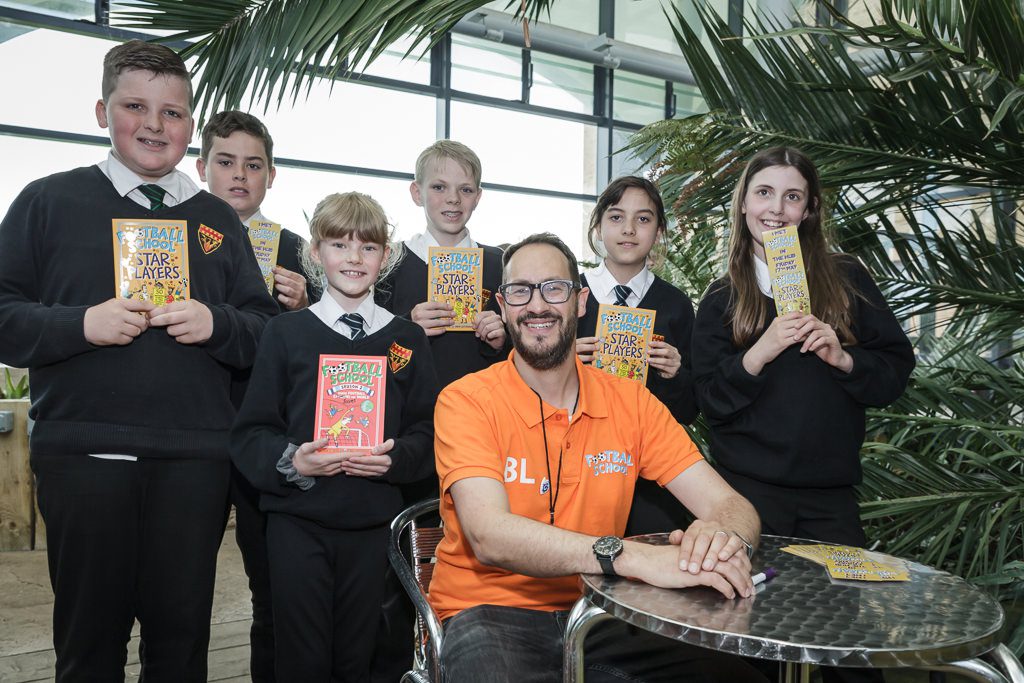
(487, 424)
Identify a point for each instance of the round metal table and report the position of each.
(801, 617)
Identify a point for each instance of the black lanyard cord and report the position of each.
(553, 500)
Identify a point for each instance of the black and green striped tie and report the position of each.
(155, 195)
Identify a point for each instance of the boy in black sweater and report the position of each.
(328, 513)
(237, 162)
(131, 397)
(447, 186)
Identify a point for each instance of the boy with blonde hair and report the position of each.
(131, 399)
(447, 186)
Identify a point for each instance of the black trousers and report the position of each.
(125, 541)
(251, 536)
(326, 586)
(822, 514)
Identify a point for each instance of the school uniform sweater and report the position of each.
(800, 423)
(280, 410)
(674, 321)
(154, 397)
(455, 353)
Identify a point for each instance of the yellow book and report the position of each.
(786, 270)
(265, 237)
(455, 276)
(150, 260)
(853, 564)
(624, 337)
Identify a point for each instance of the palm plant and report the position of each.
(916, 124)
(915, 120)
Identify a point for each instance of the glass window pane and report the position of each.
(642, 22)
(40, 54)
(638, 99)
(487, 68)
(562, 83)
(507, 217)
(688, 100)
(354, 125)
(66, 9)
(528, 150)
(623, 162)
(414, 68)
(580, 15)
(40, 158)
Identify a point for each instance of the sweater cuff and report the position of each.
(221, 326)
(286, 466)
(69, 329)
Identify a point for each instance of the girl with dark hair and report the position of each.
(785, 395)
(627, 222)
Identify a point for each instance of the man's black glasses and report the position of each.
(552, 291)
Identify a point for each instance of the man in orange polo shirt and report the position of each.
(537, 458)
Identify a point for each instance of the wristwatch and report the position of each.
(606, 549)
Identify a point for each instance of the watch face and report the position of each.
(608, 545)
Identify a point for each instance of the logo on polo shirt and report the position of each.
(609, 462)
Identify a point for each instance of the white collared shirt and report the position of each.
(602, 284)
(330, 311)
(764, 280)
(257, 217)
(421, 243)
(179, 187)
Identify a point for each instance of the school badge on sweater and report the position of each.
(209, 239)
(398, 357)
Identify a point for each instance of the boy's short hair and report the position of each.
(138, 55)
(448, 149)
(224, 123)
(549, 239)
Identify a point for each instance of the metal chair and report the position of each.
(415, 572)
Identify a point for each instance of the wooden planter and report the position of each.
(18, 514)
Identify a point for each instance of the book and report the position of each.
(786, 270)
(151, 260)
(847, 563)
(265, 237)
(455, 276)
(624, 336)
(350, 402)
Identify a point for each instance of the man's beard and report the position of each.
(544, 358)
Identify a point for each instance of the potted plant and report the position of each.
(17, 485)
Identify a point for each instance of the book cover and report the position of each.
(455, 276)
(265, 237)
(853, 564)
(786, 270)
(350, 402)
(151, 260)
(624, 336)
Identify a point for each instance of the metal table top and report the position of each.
(803, 616)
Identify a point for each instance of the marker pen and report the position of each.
(768, 573)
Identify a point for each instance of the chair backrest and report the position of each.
(415, 571)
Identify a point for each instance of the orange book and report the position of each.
(624, 336)
(150, 260)
(350, 402)
(455, 276)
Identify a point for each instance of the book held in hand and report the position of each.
(455, 276)
(786, 270)
(151, 260)
(350, 402)
(624, 336)
(265, 237)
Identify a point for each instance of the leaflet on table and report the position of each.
(853, 564)
(150, 260)
(265, 237)
(623, 341)
(786, 270)
(350, 402)
(455, 276)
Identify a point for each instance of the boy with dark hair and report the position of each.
(130, 396)
(236, 161)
